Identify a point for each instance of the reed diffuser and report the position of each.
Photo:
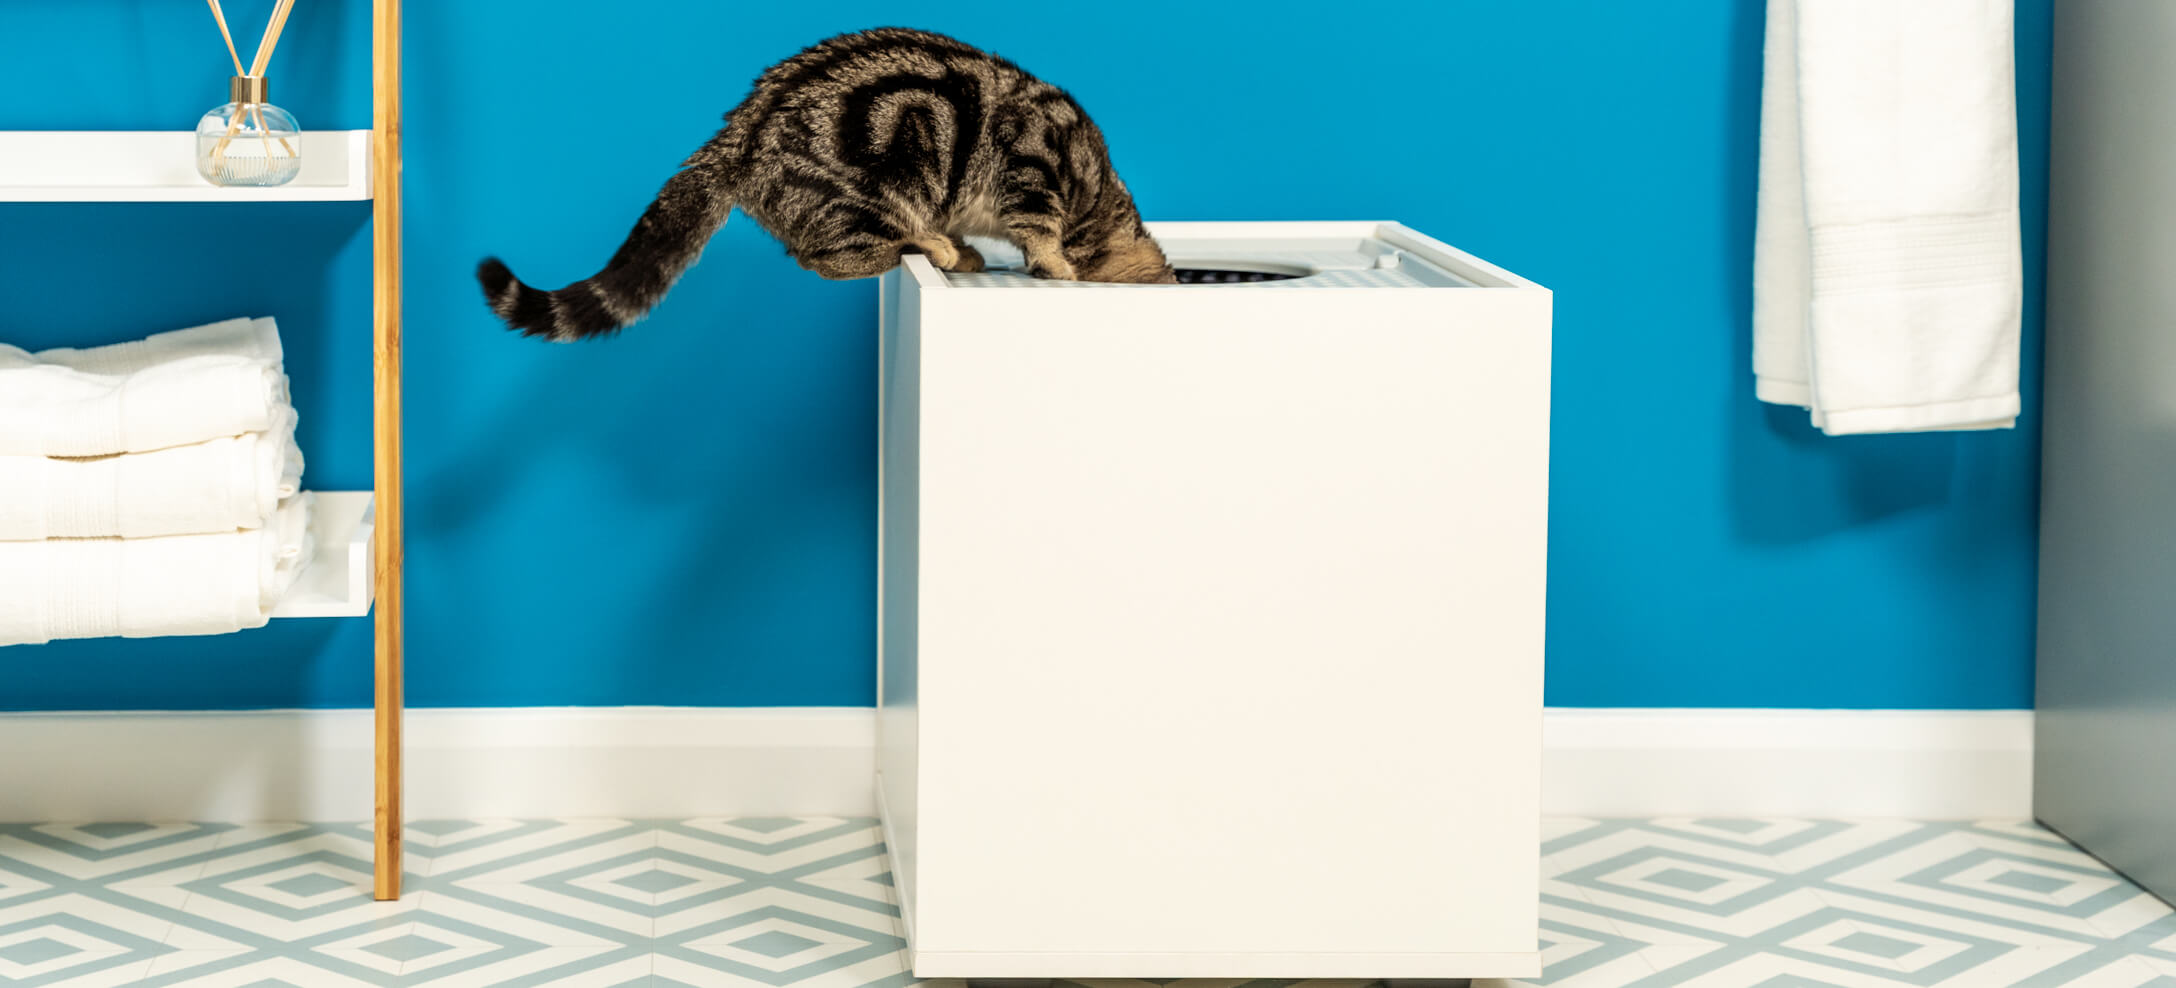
(249, 141)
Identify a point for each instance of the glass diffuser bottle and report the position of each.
(248, 141)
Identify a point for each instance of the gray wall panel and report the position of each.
(2106, 747)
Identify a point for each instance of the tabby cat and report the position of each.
(860, 149)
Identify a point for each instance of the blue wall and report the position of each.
(684, 515)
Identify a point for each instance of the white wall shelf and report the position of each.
(337, 582)
(160, 166)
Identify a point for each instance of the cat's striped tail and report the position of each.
(664, 244)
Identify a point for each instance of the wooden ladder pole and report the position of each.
(385, 391)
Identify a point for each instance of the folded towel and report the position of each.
(172, 389)
(137, 588)
(215, 486)
(1888, 278)
(257, 339)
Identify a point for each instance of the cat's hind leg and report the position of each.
(1041, 245)
(970, 259)
(843, 238)
(866, 260)
(1030, 207)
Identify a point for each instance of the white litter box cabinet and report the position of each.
(1211, 615)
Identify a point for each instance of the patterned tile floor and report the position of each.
(807, 903)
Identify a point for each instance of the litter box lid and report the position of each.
(1228, 256)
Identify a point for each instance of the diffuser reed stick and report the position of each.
(271, 38)
(270, 41)
(221, 17)
(265, 46)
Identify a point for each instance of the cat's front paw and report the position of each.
(943, 251)
(970, 260)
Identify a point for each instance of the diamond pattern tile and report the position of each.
(1687, 880)
(306, 885)
(2030, 882)
(776, 943)
(654, 881)
(807, 902)
(407, 948)
(33, 952)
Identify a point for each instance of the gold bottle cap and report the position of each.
(247, 89)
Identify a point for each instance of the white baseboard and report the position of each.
(1924, 764)
(686, 762)
(507, 762)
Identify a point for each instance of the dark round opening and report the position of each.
(1221, 276)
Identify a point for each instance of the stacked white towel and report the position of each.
(218, 485)
(140, 588)
(148, 488)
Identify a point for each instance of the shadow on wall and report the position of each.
(686, 479)
(1829, 483)
(1845, 481)
(600, 404)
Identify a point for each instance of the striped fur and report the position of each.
(860, 149)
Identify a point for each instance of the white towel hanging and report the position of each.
(1888, 275)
